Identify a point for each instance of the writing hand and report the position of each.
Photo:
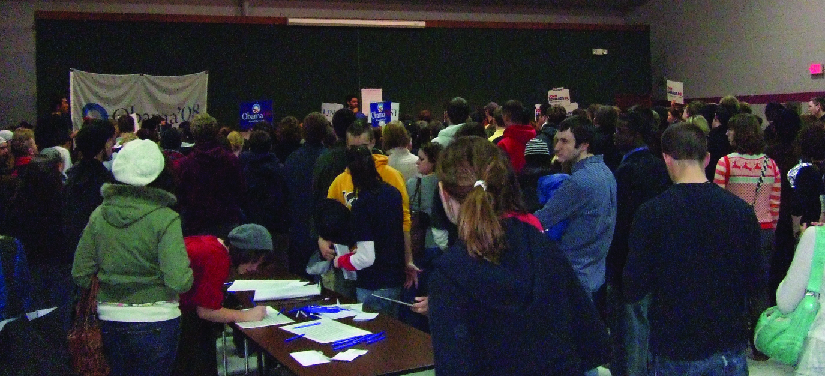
(254, 314)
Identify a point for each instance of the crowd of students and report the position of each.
(440, 215)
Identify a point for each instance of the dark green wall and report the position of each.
(301, 67)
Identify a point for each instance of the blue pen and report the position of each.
(290, 339)
(348, 340)
(376, 339)
(307, 325)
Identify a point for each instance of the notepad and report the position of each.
(272, 318)
(287, 292)
(326, 331)
(263, 284)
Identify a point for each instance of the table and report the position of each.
(405, 350)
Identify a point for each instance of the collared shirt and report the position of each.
(588, 200)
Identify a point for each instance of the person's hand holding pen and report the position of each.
(421, 305)
(253, 314)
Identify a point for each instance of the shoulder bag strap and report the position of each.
(418, 192)
(818, 262)
(759, 182)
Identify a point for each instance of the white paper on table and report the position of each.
(310, 357)
(349, 355)
(273, 317)
(262, 284)
(325, 331)
(287, 292)
(365, 316)
(339, 315)
(359, 307)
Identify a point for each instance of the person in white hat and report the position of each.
(134, 244)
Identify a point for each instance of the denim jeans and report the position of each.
(630, 335)
(727, 363)
(374, 304)
(140, 348)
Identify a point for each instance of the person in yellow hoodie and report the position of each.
(361, 134)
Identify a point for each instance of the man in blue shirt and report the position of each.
(587, 199)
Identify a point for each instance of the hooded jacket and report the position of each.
(134, 243)
(210, 188)
(514, 142)
(528, 315)
(342, 189)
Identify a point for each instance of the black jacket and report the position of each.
(266, 192)
(640, 177)
(82, 196)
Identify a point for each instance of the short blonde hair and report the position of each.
(235, 140)
(394, 135)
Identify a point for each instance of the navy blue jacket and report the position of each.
(378, 216)
(529, 315)
(298, 173)
(266, 192)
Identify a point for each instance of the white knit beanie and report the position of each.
(138, 163)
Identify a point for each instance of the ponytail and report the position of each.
(479, 226)
(479, 175)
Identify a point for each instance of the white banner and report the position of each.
(675, 91)
(175, 98)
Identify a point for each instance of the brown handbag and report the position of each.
(85, 341)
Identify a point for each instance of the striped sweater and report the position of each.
(741, 174)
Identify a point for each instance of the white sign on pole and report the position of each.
(175, 98)
(675, 91)
(370, 96)
(559, 95)
(329, 109)
(394, 111)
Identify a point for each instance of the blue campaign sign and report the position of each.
(381, 113)
(255, 112)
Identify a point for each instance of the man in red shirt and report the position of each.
(211, 259)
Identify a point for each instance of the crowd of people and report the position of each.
(645, 239)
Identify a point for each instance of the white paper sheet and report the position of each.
(310, 357)
(262, 284)
(326, 331)
(365, 316)
(272, 318)
(349, 355)
(287, 292)
(354, 306)
(339, 315)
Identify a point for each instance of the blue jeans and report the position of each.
(630, 334)
(140, 348)
(727, 363)
(374, 304)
